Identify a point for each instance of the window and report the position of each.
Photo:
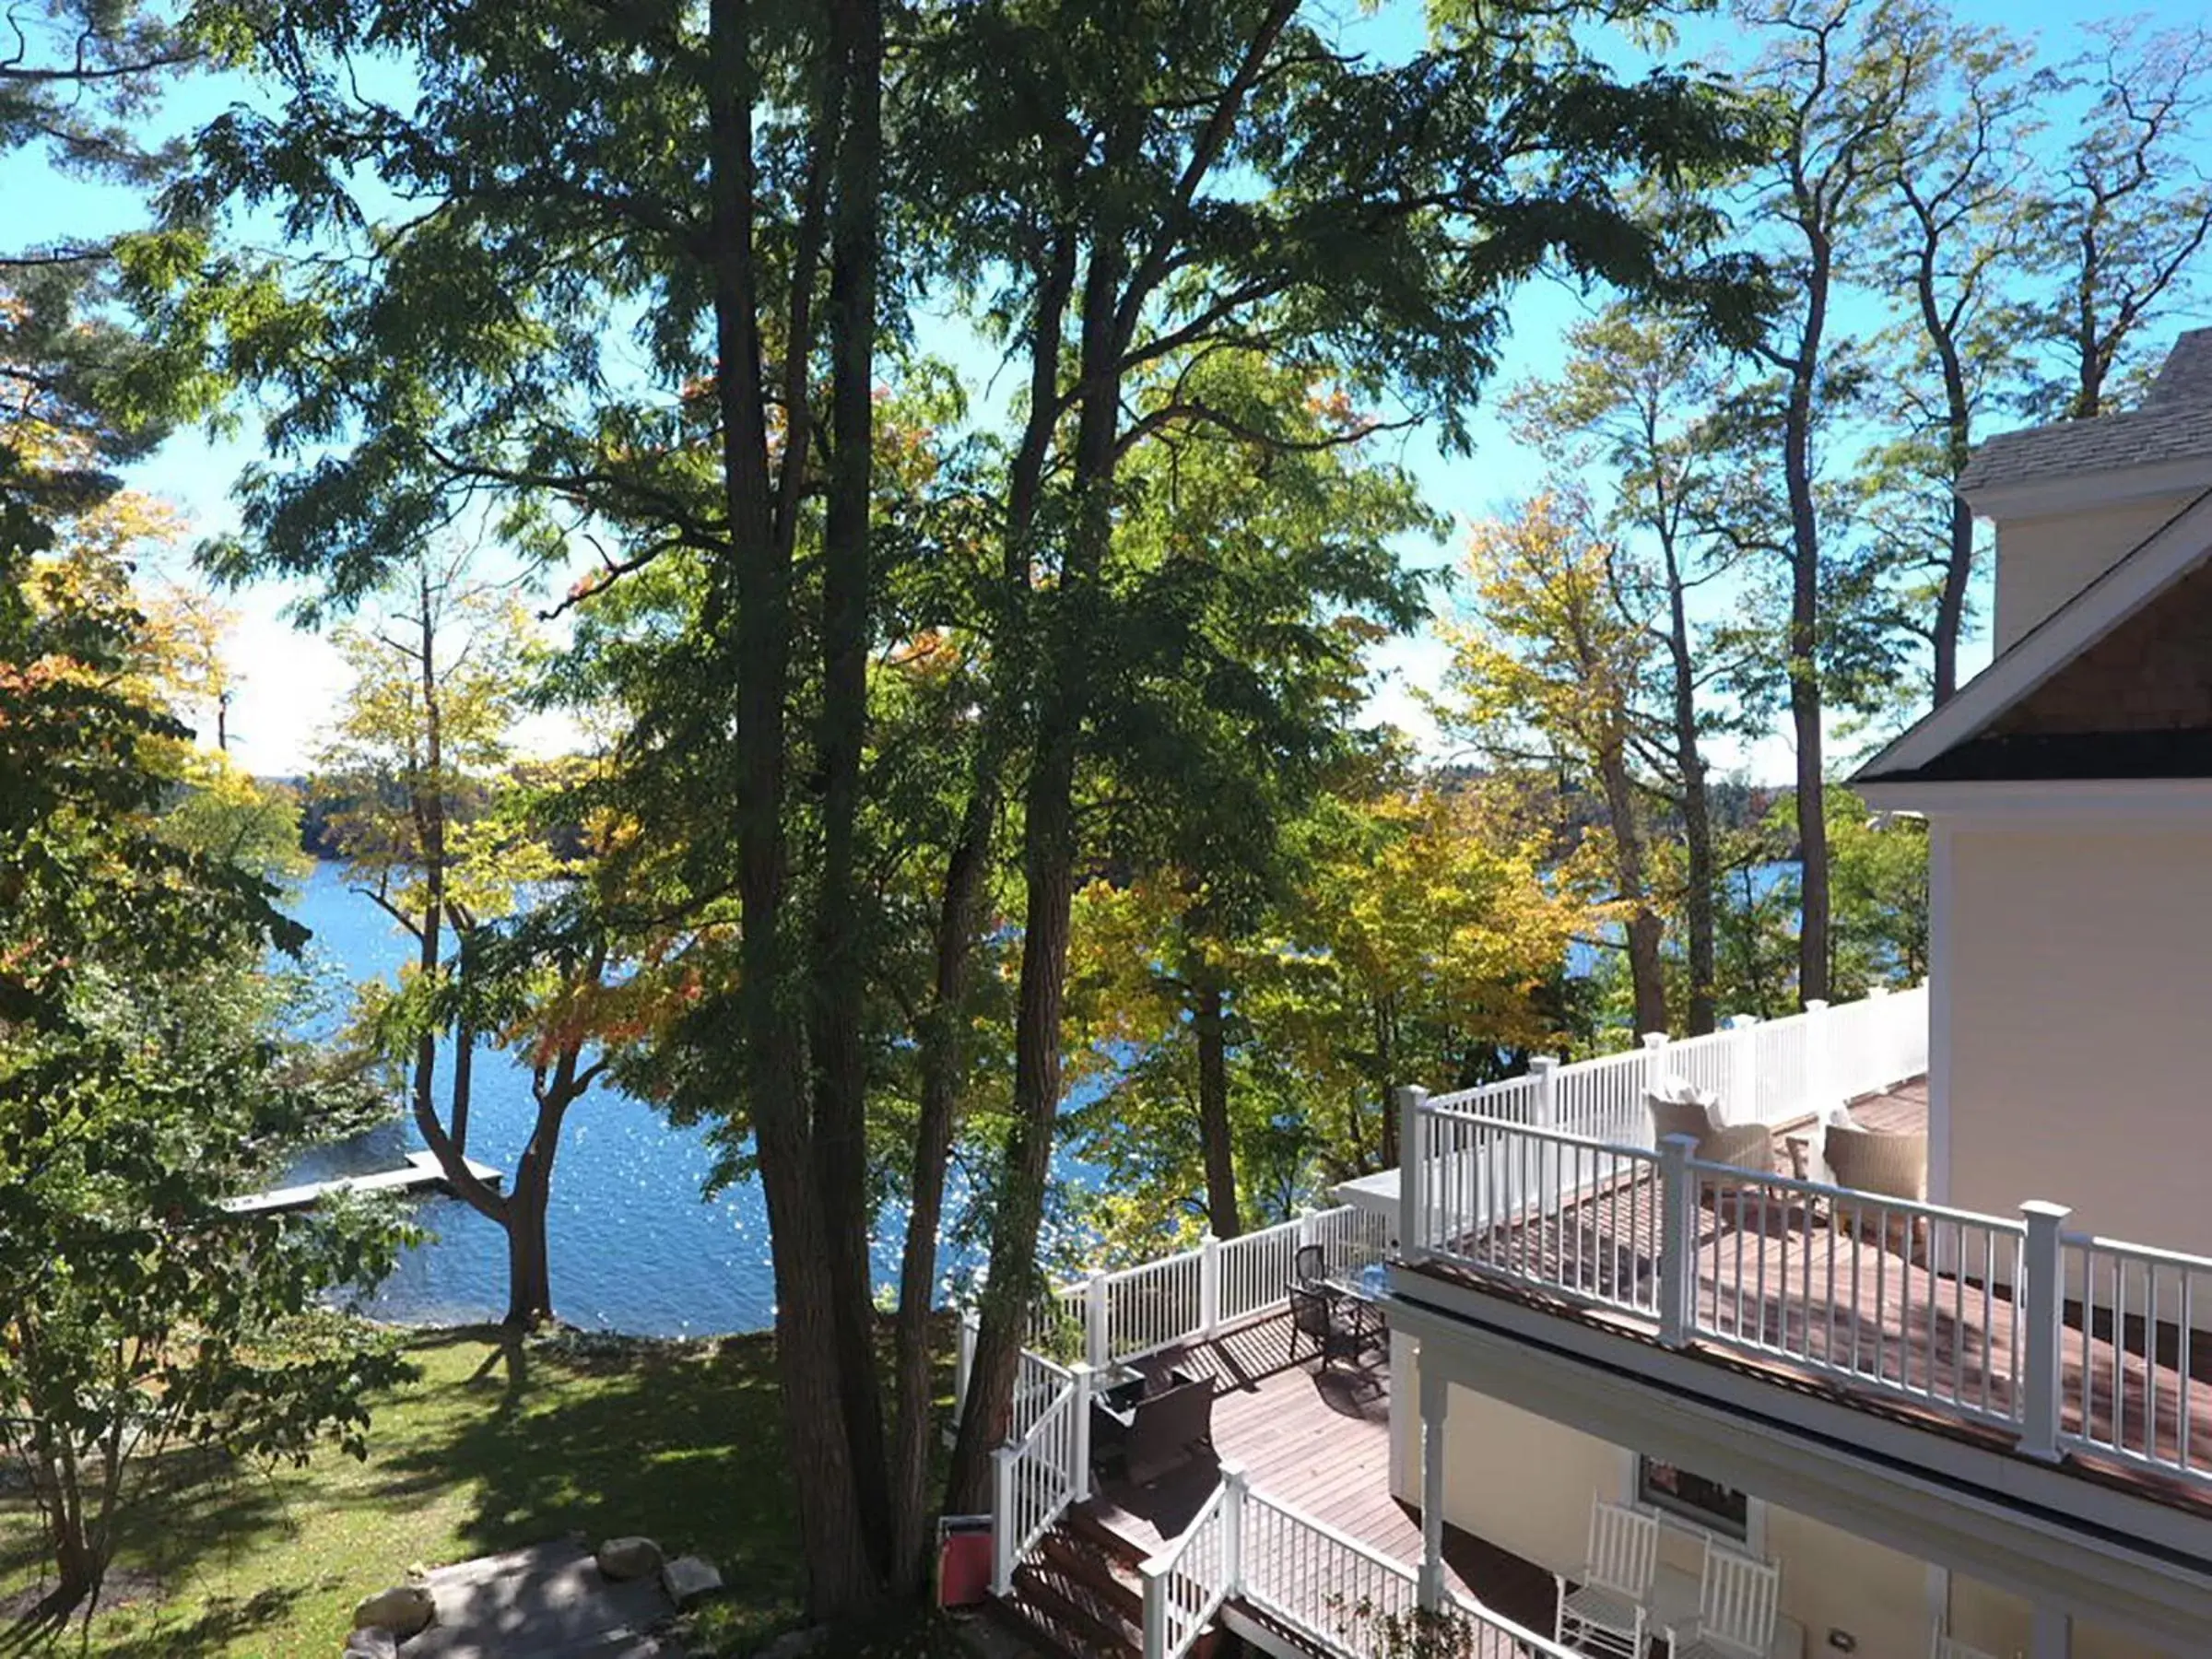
(1694, 1498)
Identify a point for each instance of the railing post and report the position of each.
(963, 1362)
(1234, 1484)
(1655, 1060)
(1095, 1333)
(2042, 1292)
(1155, 1575)
(1743, 1068)
(1210, 1285)
(1078, 1439)
(1815, 1094)
(1545, 1069)
(1003, 1520)
(1678, 1240)
(1413, 1175)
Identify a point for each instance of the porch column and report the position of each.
(1404, 1417)
(2050, 1634)
(1436, 1393)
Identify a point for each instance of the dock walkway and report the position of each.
(419, 1172)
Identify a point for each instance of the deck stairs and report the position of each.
(1078, 1593)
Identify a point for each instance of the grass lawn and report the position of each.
(681, 1443)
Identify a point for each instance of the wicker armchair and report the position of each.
(1883, 1165)
(1672, 1115)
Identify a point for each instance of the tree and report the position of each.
(1948, 251)
(144, 1079)
(1223, 178)
(2121, 222)
(1555, 656)
(418, 765)
(1815, 192)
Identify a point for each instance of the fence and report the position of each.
(2071, 1343)
(1036, 1478)
(1764, 1071)
(1343, 1597)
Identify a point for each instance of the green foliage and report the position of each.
(143, 1080)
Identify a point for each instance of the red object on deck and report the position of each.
(963, 1560)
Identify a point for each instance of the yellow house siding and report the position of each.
(2076, 961)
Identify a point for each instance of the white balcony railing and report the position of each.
(2072, 1344)
(1345, 1598)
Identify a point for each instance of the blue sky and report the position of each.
(291, 679)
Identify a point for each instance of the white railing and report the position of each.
(1540, 1207)
(1768, 1072)
(2136, 1396)
(1344, 1597)
(1823, 1277)
(2074, 1343)
(1034, 1479)
(1187, 1582)
(1124, 1316)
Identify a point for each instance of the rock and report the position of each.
(792, 1644)
(630, 1558)
(405, 1609)
(372, 1642)
(689, 1579)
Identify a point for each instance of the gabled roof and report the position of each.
(2174, 424)
(1928, 751)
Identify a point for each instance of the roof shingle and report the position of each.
(2174, 424)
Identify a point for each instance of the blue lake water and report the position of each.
(634, 1247)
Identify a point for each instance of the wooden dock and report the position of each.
(420, 1173)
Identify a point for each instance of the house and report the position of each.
(1972, 1422)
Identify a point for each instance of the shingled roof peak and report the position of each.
(2185, 378)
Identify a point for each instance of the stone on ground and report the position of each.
(548, 1602)
(625, 1558)
(403, 1610)
(372, 1642)
(690, 1579)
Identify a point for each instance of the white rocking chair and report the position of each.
(1605, 1613)
(1942, 1647)
(1740, 1602)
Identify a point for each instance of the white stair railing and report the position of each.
(1187, 1582)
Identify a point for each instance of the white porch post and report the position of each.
(1404, 1417)
(1002, 1541)
(1678, 1240)
(2050, 1634)
(1818, 1095)
(1545, 1069)
(1234, 1484)
(1743, 1069)
(1654, 1059)
(1079, 1440)
(1095, 1333)
(1436, 1393)
(1210, 1285)
(2043, 1294)
(1413, 1220)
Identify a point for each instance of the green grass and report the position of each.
(681, 1443)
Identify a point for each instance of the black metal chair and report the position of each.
(1310, 1266)
(1314, 1315)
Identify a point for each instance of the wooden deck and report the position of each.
(419, 1173)
(1318, 1441)
(1937, 1347)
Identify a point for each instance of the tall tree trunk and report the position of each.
(1804, 632)
(1209, 1025)
(841, 1129)
(1697, 807)
(842, 1579)
(1957, 436)
(1647, 973)
(943, 1064)
(1049, 847)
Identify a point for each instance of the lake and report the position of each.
(634, 1247)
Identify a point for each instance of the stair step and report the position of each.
(1075, 1602)
(1045, 1627)
(1094, 1534)
(1107, 1578)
